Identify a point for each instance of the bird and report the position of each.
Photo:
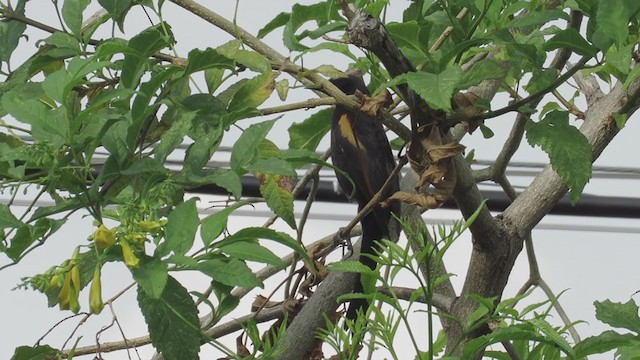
(361, 150)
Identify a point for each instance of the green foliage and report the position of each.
(106, 118)
(568, 149)
(173, 322)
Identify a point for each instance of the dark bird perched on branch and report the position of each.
(361, 149)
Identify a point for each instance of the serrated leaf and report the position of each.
(253, 252)
(181, 229)
(276, 190)
(152, 277)
(541, 80)
(436, 89)
(300, 14)
(601, 343)
(40, 352)
(612, 20)
(7, 219)
(46, 125)
(172, 320)
(553, 336)
(350, 266)
(273, 166)
(230, 272)
(244, 149)
(568, 150)
(308, 134)
(618, 314)
(570, 39)
(486, 69)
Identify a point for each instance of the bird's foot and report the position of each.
(343, 238)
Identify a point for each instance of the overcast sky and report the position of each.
(590, 265)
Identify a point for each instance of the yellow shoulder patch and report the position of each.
(346, 130)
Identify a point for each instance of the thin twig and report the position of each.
(376, 199)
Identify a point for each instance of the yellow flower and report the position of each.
(130, 259)
(95, 294)
(152, 227)
(103, 237)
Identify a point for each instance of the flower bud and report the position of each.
(103, 237)
(130, 259)
(95, 294)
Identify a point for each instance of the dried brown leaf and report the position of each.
(241, 349)
(372, 104)
(262, 302)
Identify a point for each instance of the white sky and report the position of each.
(589, 265)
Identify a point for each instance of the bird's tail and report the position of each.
(374, 228)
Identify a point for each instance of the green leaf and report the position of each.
(486, 69)
(115, 7)
(144, 44)
(553, 336)
(230, 272)
(199, 60)
(152, 277)
(276, 190)
(350, 266)
(46, 125)
(7, 219)
(181, 229)
(11, 32)
(620, 119)
(568, 149)
(253, 92)
(213, 225)
(539, 17)
(40, 352)
(20, 242)
(72, 14)
(607, 341)
(300, 14)
(541, 80)
(252, 233)
(570, 39)
(619, 315)
(225, 178)
(245, 148)
(250, 59)
(308, 134)
(145, 166)
(172, 321)
(612, 19)
(436, 89)
(273, 166)
(253, 252)
(279, 21)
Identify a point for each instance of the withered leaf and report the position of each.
(372, 104)
(262, 302)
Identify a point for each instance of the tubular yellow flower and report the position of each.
(130, 259)
(63, 296)
(103, 237)
(95, 294)
(151, 227)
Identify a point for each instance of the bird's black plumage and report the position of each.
(361, 149)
